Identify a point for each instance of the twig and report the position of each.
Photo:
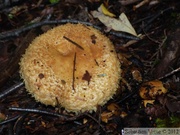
(9, 120)
(37, 111)
(140, 4)
(74, 43)
(123, 35)
(147, 24)
(169, 74)
(160, 46)
(127, 2)
(95, 121)
(11, 89)
(74, 68)
(62, 117)
(19, 124)
(16, 32)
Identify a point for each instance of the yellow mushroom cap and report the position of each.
(73, 65)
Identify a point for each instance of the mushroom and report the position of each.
(71, 65)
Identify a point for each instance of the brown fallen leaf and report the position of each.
(152, 89)
(146, 102)
(156, 111)
(105, 116)
(114, 108)
(136, 75)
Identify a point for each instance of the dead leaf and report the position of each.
(152, 89)
(173, 105)
(114, 108)
(105, 116)
(146, 102)
(136, 75)
(171, 55)
(121, 24)
(156, 111)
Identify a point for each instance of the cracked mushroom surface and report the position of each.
(73, 65)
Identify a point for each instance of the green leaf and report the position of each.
(53, 1)
(160, 123)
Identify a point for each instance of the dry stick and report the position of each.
(171, 73)
(74, 68)
(74, 43)
(16, 32)
(19, 124)
(9, 120)
(35, 111)
(86, 114)
(62, 117)
(11, 89)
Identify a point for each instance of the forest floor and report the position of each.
(149, 62)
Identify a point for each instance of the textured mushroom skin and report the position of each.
(56, 71)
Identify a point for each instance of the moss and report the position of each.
(172, 121)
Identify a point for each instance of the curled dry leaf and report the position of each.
(121, 24)
(136, 75)
(151, 89)
(114, 108)
(146, 102)
(105, 116)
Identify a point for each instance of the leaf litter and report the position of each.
(108, 19)
(126, 109)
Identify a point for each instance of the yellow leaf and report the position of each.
(145, 102)
(105, 116)
(105, 11)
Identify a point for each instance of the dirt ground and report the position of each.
(148, 94)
